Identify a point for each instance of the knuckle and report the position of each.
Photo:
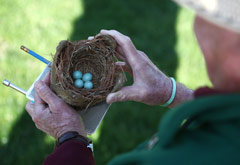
(138, 68)
(123, 98)
(45, 93)
(35, 119)
(57, 105)
(141, 52)
(141, 65)
(126, 41)
(113, 31)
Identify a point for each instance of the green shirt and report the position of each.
(205, 131)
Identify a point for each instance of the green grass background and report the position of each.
(159, 28)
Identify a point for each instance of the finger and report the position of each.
(45, 93)
(120, 56)
(120, 51)
(126, 44)
(46, 79)
(30, 108)
(142, 53)
(122, 66)
(125, 94)
(145, 57)
(39, 104)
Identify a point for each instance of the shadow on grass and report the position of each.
(25, 144)
(151, 26)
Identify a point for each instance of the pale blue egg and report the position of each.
(78, 83)
(77, 74)
(87, 77)
(88, 85)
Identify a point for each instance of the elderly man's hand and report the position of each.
(150, 85)
(51, 114)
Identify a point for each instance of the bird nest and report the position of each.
(98, 57)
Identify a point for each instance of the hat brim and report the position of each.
(224, 13)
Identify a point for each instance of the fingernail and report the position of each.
(90, 38)
(120, 63)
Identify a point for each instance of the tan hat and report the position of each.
(225, 13)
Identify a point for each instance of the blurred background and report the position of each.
(158, 27)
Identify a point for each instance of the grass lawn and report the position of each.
(159, 28)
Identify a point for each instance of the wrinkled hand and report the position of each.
(150, 85)
(50, 114)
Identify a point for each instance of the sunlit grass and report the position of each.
(191, 67)
(40, 25)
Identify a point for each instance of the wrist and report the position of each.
(182, 94)
(81, 132)
(176, 93)
(166, 91)
(72, 135)
(173, 93)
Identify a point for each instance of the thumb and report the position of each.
(45, 93)
(125, 94)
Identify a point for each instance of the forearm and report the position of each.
(182, 94)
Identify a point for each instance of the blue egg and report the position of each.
(78, 83)
(88, 85)
(87, 77)
(77, 74)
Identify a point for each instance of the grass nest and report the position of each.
(96, 56)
